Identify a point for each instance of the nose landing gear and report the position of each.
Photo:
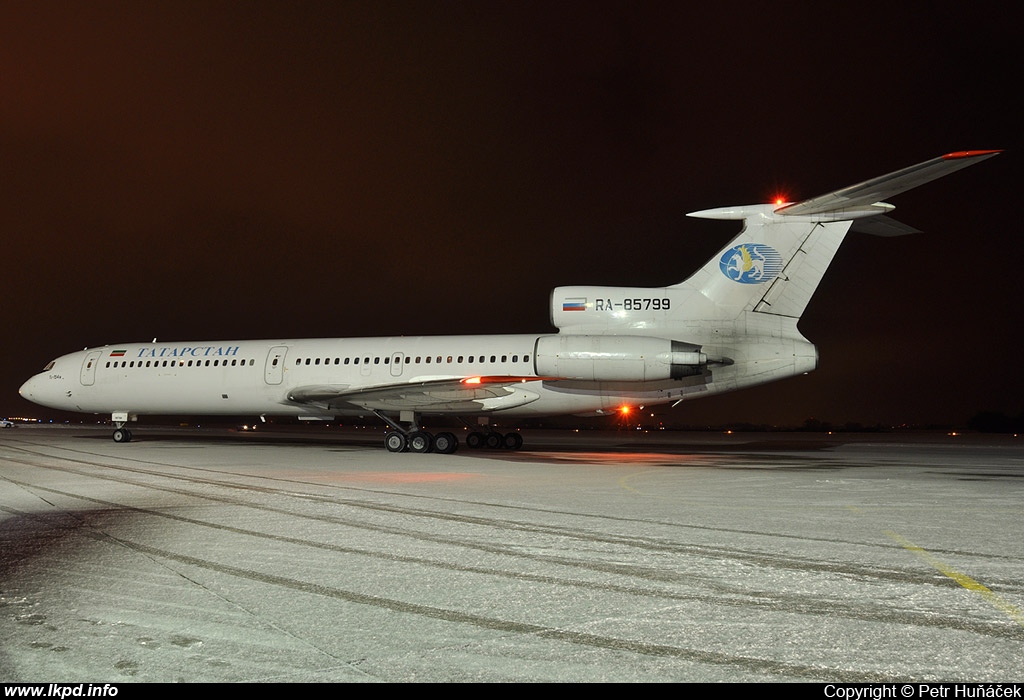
(121, 433)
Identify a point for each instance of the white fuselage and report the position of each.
(262, 377)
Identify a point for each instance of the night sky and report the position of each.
(230, 170)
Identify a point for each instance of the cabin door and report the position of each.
(397, 360)
(273, 373)
(88, 375)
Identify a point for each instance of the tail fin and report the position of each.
(763, 278)
(775, 263)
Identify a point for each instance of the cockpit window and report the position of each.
(49, 365)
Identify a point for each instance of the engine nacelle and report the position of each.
(616, 358)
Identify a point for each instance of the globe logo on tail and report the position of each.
(751, 263)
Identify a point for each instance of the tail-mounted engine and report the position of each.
(616, 358)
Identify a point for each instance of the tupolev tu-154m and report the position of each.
(730, 325)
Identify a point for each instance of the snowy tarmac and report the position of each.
(204, 555)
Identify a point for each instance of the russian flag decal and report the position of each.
(575, 304)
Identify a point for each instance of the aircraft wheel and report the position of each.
(420, 441)
(513, 441)
(445, 443)
(395, 442)
(122, 435)
(493, 441)
(475, 440)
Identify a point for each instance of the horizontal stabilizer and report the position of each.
(872, 191)
(882, 226)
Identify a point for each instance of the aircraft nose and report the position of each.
(38, 390)
(28, 389)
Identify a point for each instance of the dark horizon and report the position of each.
(651, 419)
(232, 171)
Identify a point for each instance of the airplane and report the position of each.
(730, 325)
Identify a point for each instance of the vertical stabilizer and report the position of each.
(772, 266)
(760, 283)
(777, 261)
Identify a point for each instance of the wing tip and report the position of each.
(956, 155)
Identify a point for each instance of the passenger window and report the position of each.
(504, 358)
(492, 358)
(526, 358)
(515, 358)
(428, 359)
(356, 361)
(449, 359)
(460, 359)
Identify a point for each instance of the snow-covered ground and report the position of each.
(206, 556)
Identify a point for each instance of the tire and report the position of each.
(513, 441)
(122, 435)
(420, 442)
(493, 441)
(475, 440)
(395, 442)
(445, 443)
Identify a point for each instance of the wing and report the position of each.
(460, 395)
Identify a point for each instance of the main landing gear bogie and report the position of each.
(410, 438)
(494, 440)
(420, 441)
